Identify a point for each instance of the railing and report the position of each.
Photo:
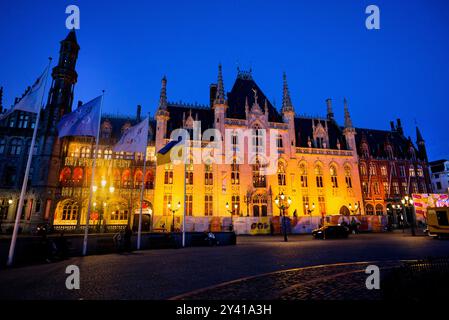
(333, 152)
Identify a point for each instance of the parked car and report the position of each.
(331, 231)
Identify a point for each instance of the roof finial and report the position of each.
(330, 112)
(348, 121)
(286, 100)
(163, 96)
(220, 96)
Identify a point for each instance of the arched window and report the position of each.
(348, 177)
(126, 178)
(138, 178)
(208, 205)
(77, 175)
(334, 178)
(319, 176)
(303, 175)
(69, 211)
(235, 172)
(279, 143)
(411, 171)
(257, 140)
(106, 130)
(2, 145)
(258, 176)
(15, 147)
(420, 171)
(85, 152)
(372, 169)
(344, 211)
(379, 209)
(365, 150)
(235, 204)
(65, 175)
(281, 173)
(363, 169)
(369, 209)
(259, 205)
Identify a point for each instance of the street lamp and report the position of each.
(408, 202)
(172, 228)
(283, 203)
(356, 207)
(10, 201)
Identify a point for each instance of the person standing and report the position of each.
(127, 238)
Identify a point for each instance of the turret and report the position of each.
(330, 113)
(288, 114)
(349, 131)
(421, 146)
(162, 116)
(220, 104)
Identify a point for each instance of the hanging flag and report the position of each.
(135, 139)
(31, 101)
(164, 154)
(84, 121)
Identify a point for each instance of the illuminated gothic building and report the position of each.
(318, 165)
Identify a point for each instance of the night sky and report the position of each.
(401, 70)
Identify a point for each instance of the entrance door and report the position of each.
(146, 222)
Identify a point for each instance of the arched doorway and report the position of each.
(260, 208)
(344, 211)
(147, 216)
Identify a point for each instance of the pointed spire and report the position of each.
(163, 96)
(1, 99)
(348, 121)
(286, 100)
(266, 106)
(330, 112)
(220, 96)
(246, 106)
(419, 137)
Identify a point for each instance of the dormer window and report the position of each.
(106, 130)
(365, 150)
(389, 152)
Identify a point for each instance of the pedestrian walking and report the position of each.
(127, 238)
(118, 240)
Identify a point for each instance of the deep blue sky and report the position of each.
(401, 70)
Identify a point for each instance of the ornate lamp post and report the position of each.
(283, 202)
(172, 228)
(104, 196)
(309, 211)
(408, 202)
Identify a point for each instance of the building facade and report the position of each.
(439, 172)
(320, 166)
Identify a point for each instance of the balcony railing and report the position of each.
(332, 152)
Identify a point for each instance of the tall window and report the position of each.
(389, 151)
(420, 171)
(235, 204)
(281, 173)
(168, 174)
(372, 169)
(396, 188)
(126, 179)
(379, 209)
(257, 140)
(348, 178)
(108, 154)
(369, 209)
(319, 176)
(15, 147)
(322, 205)
(376, 188)
(189, 204)
(411, 171)
(208, 175)
(404, 187)
(365, 187)
(394, 172)
(138, 179)
(85, 152)
(279, 143)
(303, 175)
(383, 171)
(258, 176)
(2, 145)
(189, 172)
(386, 188)
(365, 150)
(305, 204)
(402, 171)
(70, 211)
(234, 140)
(167, 199)
(23, 120)
(363, 169)
(208, 205)
(235, 172)
(334, 179)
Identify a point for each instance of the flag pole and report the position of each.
(12, 247)
(92, 180)
(184, 211)
(139, 231)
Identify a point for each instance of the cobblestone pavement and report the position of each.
(329, 282)
(162, 274)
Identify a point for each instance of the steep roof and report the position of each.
(178, 111)
(378, 139)
(304, 130)
(242, 90)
